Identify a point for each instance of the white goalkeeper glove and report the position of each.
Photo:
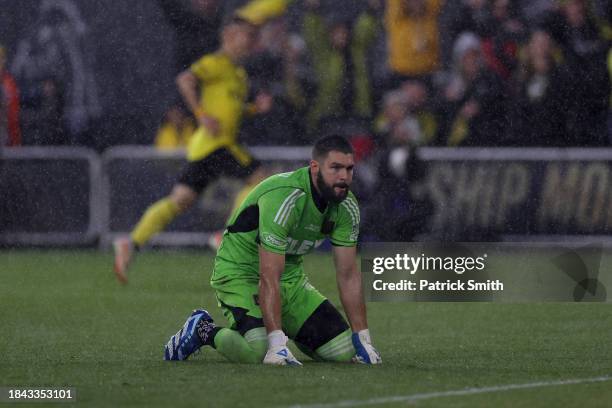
(278, 352)
(365, 352)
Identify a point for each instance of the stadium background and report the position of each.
(97, 75)
(76, 179)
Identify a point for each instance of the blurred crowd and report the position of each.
(385, 73)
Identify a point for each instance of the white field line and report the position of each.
(453, 393)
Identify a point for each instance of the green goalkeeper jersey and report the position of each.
(285, 215)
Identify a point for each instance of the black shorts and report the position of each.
(323, 325)
(199, 174)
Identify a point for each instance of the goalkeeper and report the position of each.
(258, 274)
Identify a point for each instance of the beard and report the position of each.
(328, 192)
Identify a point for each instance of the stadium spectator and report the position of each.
(406, 124)
(461, 16)
(472, 107)
(539, 102)
(420, 112)
(395, 108)
(197, 27)
(10, 132)
(503, 30)
(176, 130)
(277, 75)
(55, 70)
(406, 118)
(584, 52)
(338, 52)
(400, 177)
(413, 39)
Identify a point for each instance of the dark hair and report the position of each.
(330, 143)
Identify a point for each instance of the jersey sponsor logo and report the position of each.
(286, 207)
(312, 227)
(273, 239)
(299, 247)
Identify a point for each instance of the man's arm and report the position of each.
(187, 84)
(271, 267)
(351, 296)
(277, 210)
(349, 286)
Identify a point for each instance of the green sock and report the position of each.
(250, 348)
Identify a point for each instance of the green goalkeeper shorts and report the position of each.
(239, 300)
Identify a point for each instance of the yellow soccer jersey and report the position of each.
(223, 96)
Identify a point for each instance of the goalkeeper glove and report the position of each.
(278, 352)
(365, 352)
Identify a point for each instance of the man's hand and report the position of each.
(281, 356)
(263, 102)
(278, 352)
(365, 352)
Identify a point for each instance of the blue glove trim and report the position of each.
(360, 349)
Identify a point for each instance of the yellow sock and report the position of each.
(154, 220)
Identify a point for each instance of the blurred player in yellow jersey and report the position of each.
(214, 88)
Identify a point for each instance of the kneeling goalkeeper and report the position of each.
(259, 279)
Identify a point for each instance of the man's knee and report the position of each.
(258, 343)
(326, 334)
(183, 197)
(339, 349)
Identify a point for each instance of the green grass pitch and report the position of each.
(64, 321)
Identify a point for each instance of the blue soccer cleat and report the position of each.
(191, 337)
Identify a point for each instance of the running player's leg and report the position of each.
(191, 182)
(154, 220)
(161, 213)
(195, 177)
